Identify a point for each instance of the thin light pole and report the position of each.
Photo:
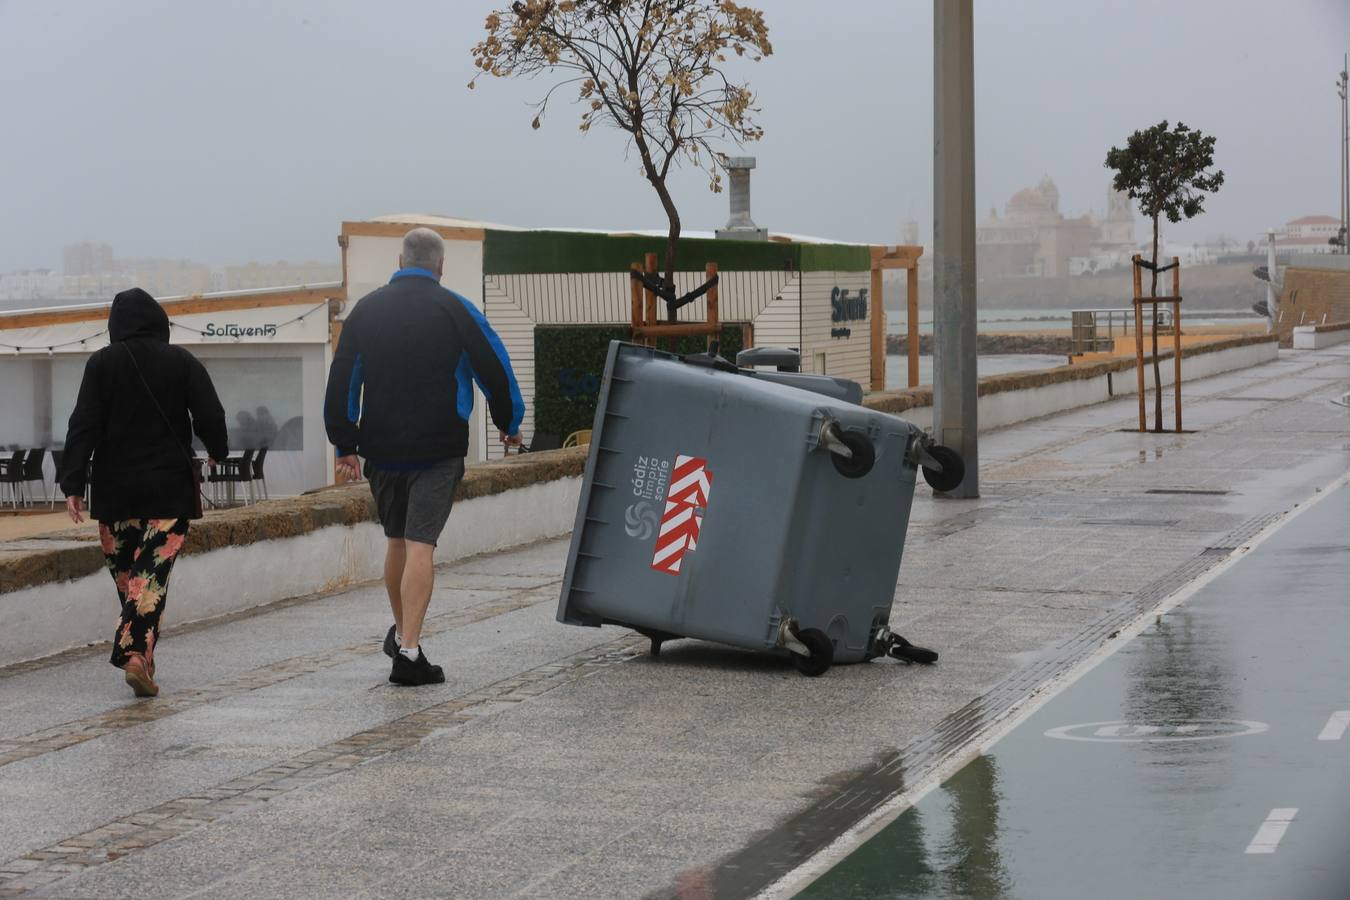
(1272, 295)
(954, 382)
(1343, 90)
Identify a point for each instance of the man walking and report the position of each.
(400, 393)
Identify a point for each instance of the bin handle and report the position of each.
(851, 452)
(711, 361)
(832, 439)
(925, 459)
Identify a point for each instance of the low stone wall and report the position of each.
(56, 594)
(1019, 396)
(1311, 296)
(1013, 342)
(1315, 337)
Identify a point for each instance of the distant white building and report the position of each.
(31, 284)
(88, 258)
(1309, 234)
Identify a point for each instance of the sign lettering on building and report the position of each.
(846, 307)
(233, 330)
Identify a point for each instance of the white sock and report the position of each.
(413, 653)
(398, 639)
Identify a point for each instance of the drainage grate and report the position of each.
(1202, 491)
(1248, 530)
(1142, 523)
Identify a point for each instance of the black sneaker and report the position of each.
(390, 645)
(409, 673)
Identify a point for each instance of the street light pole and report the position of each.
(954, 349)
(1344, 141)
(1272, 294)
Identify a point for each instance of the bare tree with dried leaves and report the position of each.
(654, 69)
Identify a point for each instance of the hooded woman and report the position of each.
(132, 418)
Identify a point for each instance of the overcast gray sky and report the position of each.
(228, 132)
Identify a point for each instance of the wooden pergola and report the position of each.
(898, 257)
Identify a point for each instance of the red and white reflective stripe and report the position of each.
(678, 535)
(691, 481)
(690, 484)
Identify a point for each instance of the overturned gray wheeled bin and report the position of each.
(762, 509)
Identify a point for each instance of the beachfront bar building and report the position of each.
(556, 298)
(267, 353)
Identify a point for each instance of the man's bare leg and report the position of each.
(416, 590)
(395, 559)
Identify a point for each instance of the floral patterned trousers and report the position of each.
(140, 554)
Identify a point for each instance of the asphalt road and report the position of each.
(1208, 757)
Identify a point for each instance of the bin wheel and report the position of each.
(906, 652)
(822, 652)
(864, 455)
(953, 469)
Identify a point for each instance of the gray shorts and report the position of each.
(415, 505)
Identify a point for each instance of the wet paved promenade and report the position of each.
(564, 762)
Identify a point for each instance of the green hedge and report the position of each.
(538, 252)
(569, 363)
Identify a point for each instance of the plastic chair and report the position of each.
(58, 456)
(258, 475)
(578, 438)
(32, 471)
(232, 471)
(11, 473)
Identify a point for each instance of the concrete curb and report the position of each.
(65, 556)
(56, 615)
(1039, 392)
(1316, 337)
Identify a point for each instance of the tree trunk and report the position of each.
(1157, 369)
(658, 182)
(672, 242)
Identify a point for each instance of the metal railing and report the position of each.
(1097, 329)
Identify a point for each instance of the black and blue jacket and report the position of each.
(400, 390)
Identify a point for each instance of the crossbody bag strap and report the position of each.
(194, 469)
(159, 409)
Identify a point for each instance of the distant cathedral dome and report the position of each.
(1026, 198)
(1033, 238)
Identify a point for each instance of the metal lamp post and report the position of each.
(954, 372)
(1342, 91)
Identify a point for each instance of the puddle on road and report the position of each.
(1144, 454)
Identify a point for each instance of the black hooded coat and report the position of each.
(140, 470)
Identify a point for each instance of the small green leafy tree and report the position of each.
(653, 69)
(1167, 170)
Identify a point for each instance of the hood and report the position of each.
(135, 314)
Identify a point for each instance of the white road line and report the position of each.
(1336, 726)
(1272, 830)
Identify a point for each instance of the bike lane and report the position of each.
(1208, 757)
